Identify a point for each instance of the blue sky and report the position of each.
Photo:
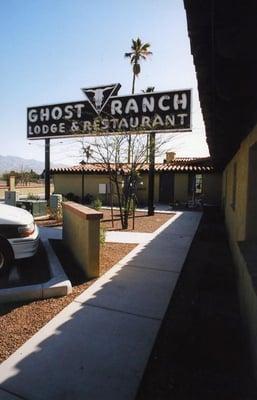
(51, 49)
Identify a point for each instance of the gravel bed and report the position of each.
(143, 222)
(18, 322)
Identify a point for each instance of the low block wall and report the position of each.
(81, 233)
(26, 190)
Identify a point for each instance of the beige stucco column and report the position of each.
(81, 233)
(12, 182)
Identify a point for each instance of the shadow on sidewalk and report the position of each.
(98, 346)
(201, 351)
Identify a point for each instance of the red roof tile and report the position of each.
(177, 165)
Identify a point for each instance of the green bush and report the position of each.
(88, 199)
(96, 204)
(32, 196)
(70, 196)
(102, 236)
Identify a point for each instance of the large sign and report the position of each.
(106, 113)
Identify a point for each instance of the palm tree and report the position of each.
(139, 51)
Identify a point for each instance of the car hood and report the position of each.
(14, 215)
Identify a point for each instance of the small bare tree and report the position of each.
(111, 152)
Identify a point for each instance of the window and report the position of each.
(198, 183)
(195, 184)
(102, 188)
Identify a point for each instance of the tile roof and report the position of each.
(177, 165)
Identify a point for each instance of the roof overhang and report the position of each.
(223, 36)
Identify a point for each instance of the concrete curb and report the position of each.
(58, 285)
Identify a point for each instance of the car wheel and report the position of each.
(5, 257)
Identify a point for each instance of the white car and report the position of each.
(19, 236)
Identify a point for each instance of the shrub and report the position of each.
(102, 236)
(97, 204)
(77, 199)
(88, 198)
(70, 196)
(32, 196)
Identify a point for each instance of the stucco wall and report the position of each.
(212, 188)
(236, 221)
(26, 190)
(142, 193)
(72, 183)
(181, 187)
(92, 183)
(68, 183)
(65, 183)
(236, 218)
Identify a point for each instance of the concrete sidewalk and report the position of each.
(110, 236)
(98, 346)
(128, 237)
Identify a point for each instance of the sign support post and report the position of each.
(151, 174)
(47, 169)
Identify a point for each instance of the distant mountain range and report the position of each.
(12, 163)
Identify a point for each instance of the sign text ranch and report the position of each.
(163, 111)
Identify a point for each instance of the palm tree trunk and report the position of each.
(133, 83)
(129, 138)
